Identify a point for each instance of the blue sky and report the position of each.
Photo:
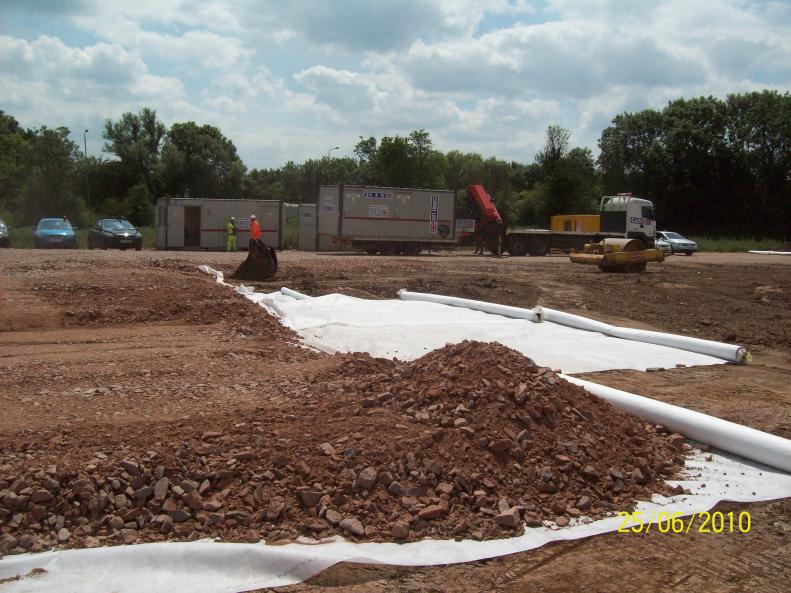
(287, 81)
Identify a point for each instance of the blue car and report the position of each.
(55, 232)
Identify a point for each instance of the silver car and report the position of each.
(5, 238)
(678, 244)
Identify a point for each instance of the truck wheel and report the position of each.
(537, 248)
(517, 246)
(411, 249)
(388, 249)
(370, 250)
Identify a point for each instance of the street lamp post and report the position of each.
(331, 149)
(87, 176)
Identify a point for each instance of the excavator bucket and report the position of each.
(261, 262)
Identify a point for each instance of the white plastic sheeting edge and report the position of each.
(728, 436)
(771, 252)
(729, 352)
(212, 272)
(209, 567)
(493, 308)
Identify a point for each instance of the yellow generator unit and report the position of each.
(575, 223)
(618, 255)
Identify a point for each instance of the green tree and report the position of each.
(710, 166)
(555, 148)
(759, 127)
(202, 160)
(51, 177)
(567, 181)
(136, 139)
(365, 149)
(139, 206)
(15, 151)
(393, 165)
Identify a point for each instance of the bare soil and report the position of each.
(114, 353)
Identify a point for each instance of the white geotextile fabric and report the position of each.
(343, 323)
(210, 567)
(771, 252)
(409, 329)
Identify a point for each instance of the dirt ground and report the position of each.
(118, 351)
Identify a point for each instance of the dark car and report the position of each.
(54, 232)
(116, 233)
(5, 238)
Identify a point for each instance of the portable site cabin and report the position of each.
(200, 223)
(382, 218)
(575, 223)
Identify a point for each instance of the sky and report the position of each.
(291, 80)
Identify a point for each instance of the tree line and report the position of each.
(711, 166)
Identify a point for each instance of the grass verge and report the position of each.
(738, 244)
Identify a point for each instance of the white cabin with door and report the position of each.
(200, 223)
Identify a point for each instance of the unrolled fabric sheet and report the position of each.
(409, 329)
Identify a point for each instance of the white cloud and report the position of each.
(286, 80)
(341, 90)
(190, 49)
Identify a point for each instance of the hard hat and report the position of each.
(252, 216)
(233, 218)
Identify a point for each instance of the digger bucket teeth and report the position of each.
(261, 262)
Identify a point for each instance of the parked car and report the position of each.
(663, 245)
(54, 232)
(5, 239)
(678, 244)
(114, 232)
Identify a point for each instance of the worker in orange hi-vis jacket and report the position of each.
(255, 228)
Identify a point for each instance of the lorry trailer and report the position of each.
(386, 220)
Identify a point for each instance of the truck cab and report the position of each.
(629, 217)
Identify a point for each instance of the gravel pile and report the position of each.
(470, 441)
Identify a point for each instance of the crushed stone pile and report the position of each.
(470, 441)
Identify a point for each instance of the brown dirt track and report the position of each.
(124, 349)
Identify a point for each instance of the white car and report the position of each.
(663, 245)
(678, 244)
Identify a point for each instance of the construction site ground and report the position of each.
(117, 350)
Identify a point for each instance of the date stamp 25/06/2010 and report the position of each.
(664, 522)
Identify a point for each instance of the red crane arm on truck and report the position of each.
(489, 213)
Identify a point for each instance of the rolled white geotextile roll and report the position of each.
(735, 438)
(575, 321)
(493, 308)
(294, 294)
(730, 352)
